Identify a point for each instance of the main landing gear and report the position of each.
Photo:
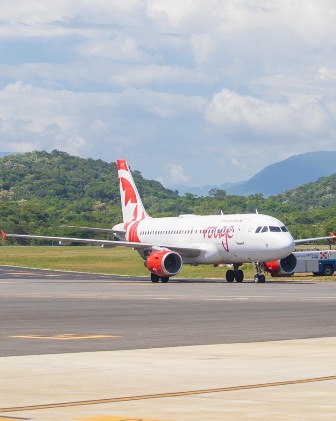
(235, 274)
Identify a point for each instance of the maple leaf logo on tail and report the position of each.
(132, 206)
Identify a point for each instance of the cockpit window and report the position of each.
(275, 229)
(271, 229)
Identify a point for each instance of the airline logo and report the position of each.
(224, 233)
(133, 212)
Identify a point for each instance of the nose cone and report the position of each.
(285, 245)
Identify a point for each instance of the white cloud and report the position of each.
(297, 116)
(324, 73)
(119, 49)
(177, 174)
(203, 87)
(203, 47)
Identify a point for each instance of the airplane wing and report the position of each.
(107, 230)
(310, 240)
(184, 251)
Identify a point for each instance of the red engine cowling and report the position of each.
(164, 263)
(282, 267)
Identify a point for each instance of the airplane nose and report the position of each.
(287, 244)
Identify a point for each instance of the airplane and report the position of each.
(167, 243)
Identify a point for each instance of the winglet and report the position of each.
(3, 235)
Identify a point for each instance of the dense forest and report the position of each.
(40, 191)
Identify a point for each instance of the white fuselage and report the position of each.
(221, 238)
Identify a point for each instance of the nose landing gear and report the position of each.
(259, 277)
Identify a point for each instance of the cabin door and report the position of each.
(240, 234)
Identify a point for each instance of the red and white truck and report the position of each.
(319, 262)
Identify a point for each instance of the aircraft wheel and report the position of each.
(154, 278)
(230, 275)
(259, 278)
(165, 280)
(239, 276)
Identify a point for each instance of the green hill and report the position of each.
(39, 191)
(311, 196)
(44, 175)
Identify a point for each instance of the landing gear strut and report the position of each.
(235, 274)
(259, 277)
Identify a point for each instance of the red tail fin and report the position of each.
(132, 207)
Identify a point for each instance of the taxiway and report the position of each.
(98, 347)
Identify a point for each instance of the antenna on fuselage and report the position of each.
(257, 211)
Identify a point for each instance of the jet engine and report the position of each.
(164, 263)
(282, 267)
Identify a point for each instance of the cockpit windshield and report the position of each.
(271, 229)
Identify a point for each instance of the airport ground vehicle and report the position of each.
(319, 262)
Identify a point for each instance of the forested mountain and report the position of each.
(318, 195)
(5, 154)
(44, 175)
(40, 191)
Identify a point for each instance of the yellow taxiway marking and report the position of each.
(65, 337)
(17, 419)
(164, 395)
(110, 418)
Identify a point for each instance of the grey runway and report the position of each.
(44, 312)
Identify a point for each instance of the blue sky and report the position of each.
(189, 92)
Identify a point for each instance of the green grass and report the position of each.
(119, 260)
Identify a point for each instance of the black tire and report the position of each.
(260, 279)
(165, 280)
(154, 278)
(239, 276)
(230, 275)
(328, 270)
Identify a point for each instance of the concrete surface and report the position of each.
(83, 377)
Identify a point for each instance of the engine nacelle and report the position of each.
(282, 267)
(164, 263)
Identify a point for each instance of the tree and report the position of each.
(217, 193)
